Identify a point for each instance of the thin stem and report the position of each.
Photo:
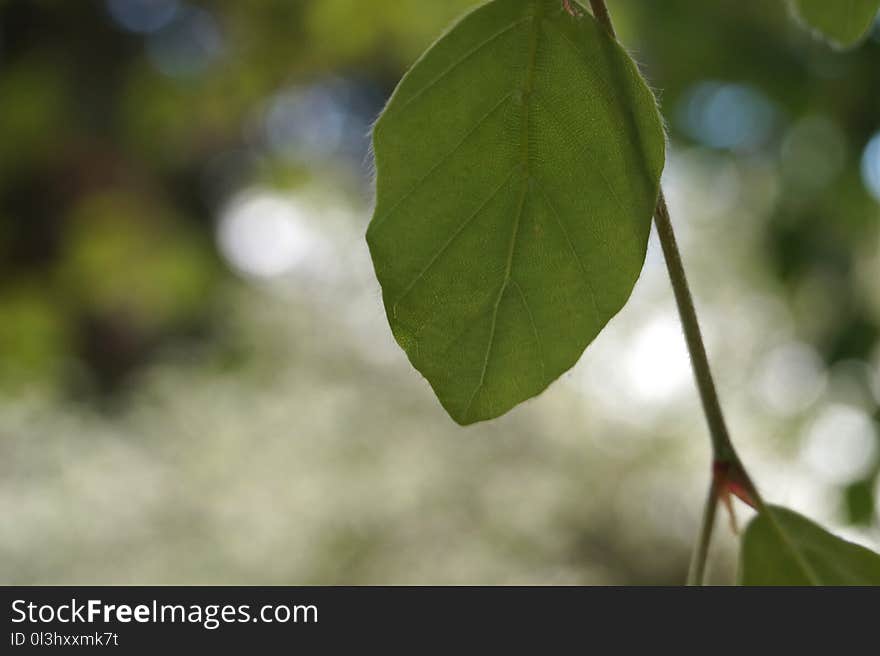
(721, 445)
(697, 571)
(724, 455)
(600, 12)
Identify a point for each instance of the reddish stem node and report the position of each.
(731, 481)
(571, 9)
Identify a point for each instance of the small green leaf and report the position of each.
(843, 22)
(518, 166)
(781, 547)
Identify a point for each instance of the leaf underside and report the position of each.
(842, 22)
(781, 547)
(518, 166)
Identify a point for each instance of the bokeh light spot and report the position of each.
(142, 16)
(657, 364)
(791, 378)
(187, 45)
(263, 234)
(321, 121)
(727, 116)
(841, 444)
(871, 166)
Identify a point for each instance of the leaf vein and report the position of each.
(468, 221)
(799, 558)
(504, 286)
(534, 326)
(571, 246)
(586, 151)
(470, 53)
(379, 221)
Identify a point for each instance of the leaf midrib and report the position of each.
(799, 558)
(377, 223)
(525, 161)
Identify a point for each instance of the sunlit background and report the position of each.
(197, 381)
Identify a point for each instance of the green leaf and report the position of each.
(781, 547)
(843, 22)
(518, 166)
